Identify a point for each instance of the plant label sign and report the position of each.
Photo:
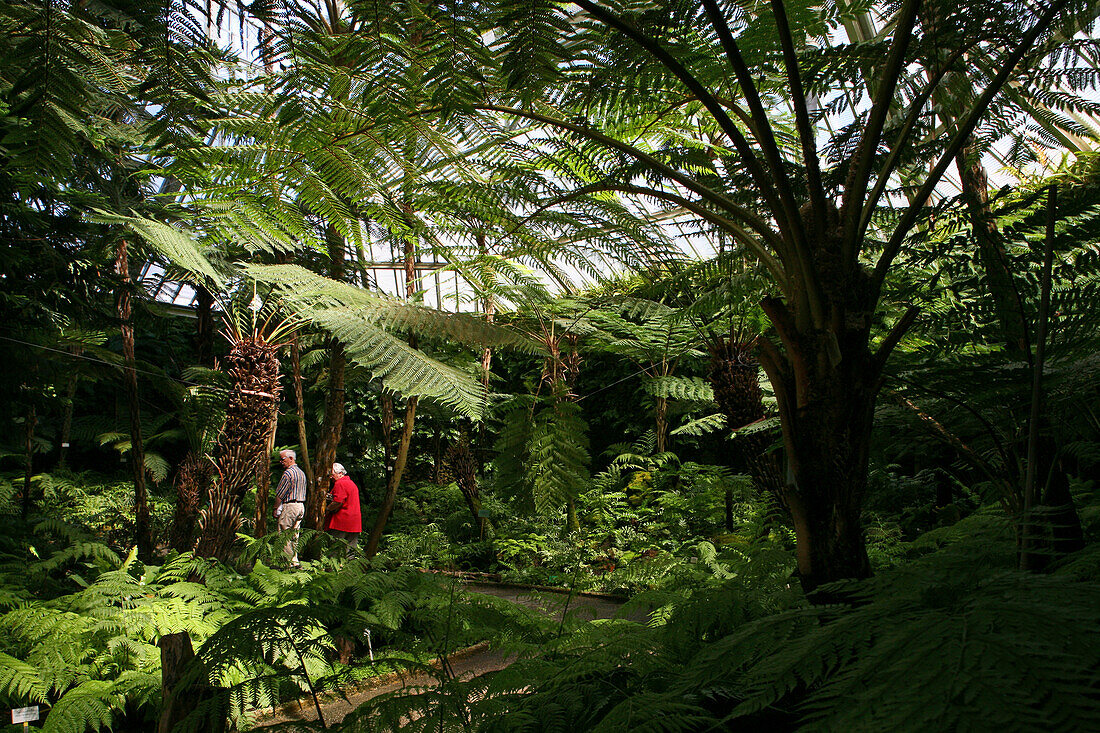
(24, 715)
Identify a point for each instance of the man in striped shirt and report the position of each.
(290, 501)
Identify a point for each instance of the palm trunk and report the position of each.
(143, 537)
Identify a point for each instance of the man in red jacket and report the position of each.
(342, 517)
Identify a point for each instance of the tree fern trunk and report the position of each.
(395, 479)
(733, 377)
(241, 452)
(300, 415)
(662, 424)
(28, 459)
(143, 537)
(192, 480)
(263, 486)
(463, 465)
(332, 427)
(67, 416)
(204, 326)
(826, 395)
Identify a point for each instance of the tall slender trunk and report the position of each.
(394, 479)
(662, 424)
(67, 415)
(332, 426)
(387, 417)
(490, 307)
(204, 326)
(300, 414)
(1007, 302)
(143, 537)
(28, 459)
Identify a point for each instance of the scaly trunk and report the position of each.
(662, 424)
(263, 487)
(826, 381)
(829, 443)
(143, 536)
(733, 375)
(192, 482)
(463, 465)
(241, 453)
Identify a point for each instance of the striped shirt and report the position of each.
(292, 485)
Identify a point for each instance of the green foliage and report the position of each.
(542, 454)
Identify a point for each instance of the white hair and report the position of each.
(288, 452)
(339, 468)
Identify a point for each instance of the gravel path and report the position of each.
(467, 663)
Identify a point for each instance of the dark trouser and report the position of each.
(351, 539)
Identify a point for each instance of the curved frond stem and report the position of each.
(775, 267)
(777, 202)
(684, 180)
(900, 144)
(801, 115)
(761, 229)
(878, 361)
(962, 135)
(856, 188)
(765, 136)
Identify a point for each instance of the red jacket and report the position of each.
(347, 518)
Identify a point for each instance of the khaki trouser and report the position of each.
(351, 539)
(291, 516)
